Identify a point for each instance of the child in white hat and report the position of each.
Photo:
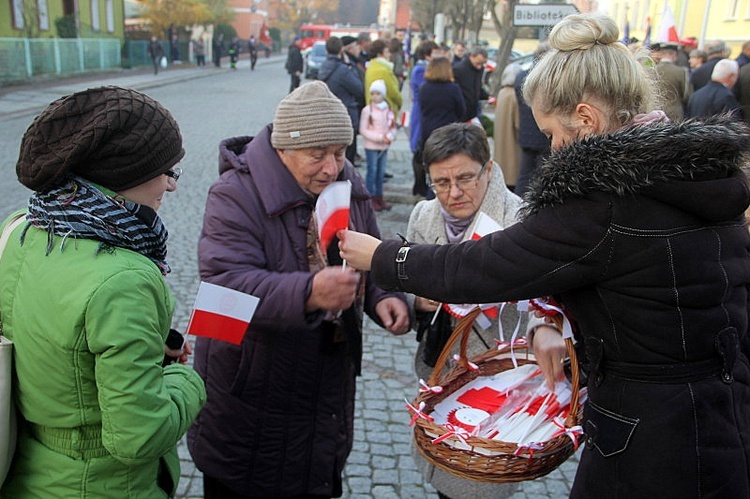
(378, 126)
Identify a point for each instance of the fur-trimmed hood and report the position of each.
(641, 158)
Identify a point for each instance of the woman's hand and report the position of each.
(179, 354)
(550, 352)
(357, 248)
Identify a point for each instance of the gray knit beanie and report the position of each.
(116, 137)
(311, 116)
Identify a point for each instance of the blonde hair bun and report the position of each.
(582, 32)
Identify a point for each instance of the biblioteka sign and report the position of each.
(547, 14)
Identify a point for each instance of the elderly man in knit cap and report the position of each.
(281, 404)
(83, 275)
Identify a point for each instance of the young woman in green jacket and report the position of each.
(84, 300)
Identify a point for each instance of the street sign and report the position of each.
(543, 14)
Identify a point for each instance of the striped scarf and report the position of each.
(76, 208)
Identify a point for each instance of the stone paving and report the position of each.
(211, 104)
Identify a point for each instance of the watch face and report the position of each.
(402, 252)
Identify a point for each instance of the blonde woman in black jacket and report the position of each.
(636, 226)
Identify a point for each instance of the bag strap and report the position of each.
(14, 221)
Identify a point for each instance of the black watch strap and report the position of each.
(403, 252)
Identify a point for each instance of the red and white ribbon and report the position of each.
(530, 447)
(453, 431)
(550, 310)
(418, 413)
(573, 432)
(472, 366)
(427, 388)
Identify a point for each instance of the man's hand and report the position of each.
(333, 289)
(394, 314)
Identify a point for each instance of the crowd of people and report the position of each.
(617, 186)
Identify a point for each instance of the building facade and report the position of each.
(45, 18)
(706, 20)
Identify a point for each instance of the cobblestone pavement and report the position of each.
(211, 104)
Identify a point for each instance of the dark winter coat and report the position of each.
(469, 79)
(640, 235)
(280, 412)
(344, 82)
(702, 75)
(440, 104)
(713, 99)
(529, 135)
(294, 62)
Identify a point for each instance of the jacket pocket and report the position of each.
(607, 431)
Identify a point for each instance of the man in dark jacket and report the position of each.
(717, 97)
(535, 146)
(344, 81)
(468, 74)
(155, 52)
(715, 51)
(279, 417)
(294, 63)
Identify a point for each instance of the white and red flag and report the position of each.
(667, 30)
(485, 225)
(332, 211)
(221, 313)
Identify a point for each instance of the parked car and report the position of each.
(489, 68)
(314, 57)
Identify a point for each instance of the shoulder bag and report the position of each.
(7, 407)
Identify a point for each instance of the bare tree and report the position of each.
(502, 19)
(466, 17)
(424, 11)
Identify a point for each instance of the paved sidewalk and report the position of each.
(31, 98)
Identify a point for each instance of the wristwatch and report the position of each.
(403, 252)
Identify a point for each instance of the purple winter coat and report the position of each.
(279, 417)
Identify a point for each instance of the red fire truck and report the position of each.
(311, 33)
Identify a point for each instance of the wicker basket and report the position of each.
(488, 460)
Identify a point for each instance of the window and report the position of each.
(732, 7)
(95, 24)
(110, 16)
(16, 7)
(43, 15)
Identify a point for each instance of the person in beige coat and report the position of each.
(507, 150)
(466, 183)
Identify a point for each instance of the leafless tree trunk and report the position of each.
(503, 23)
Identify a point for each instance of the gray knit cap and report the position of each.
(311, 116)
(113, 136)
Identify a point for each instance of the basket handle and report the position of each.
(575, 380)
(462, 330)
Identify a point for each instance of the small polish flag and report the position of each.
(221, 313)
(404, 118)
(485, 225)
(668, 30)
(332, 211)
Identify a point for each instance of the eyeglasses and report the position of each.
(174, 173)
(463, 183)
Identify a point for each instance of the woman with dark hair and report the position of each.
(440, 103)
(466, 183)
(440, 99)
(381, 68)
